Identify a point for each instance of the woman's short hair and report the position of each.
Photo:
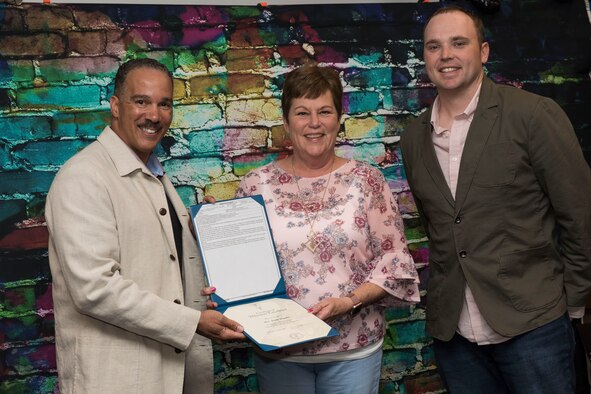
(311, 81)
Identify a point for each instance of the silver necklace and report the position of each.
(312, 242)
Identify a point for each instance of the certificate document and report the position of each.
(240, 260)
(278, 322)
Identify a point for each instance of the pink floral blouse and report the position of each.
(360, 238)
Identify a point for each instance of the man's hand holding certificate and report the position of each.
(240, 261)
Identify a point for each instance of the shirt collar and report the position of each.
(154, 166)
(468, 111)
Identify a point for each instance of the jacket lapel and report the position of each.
(480, 129)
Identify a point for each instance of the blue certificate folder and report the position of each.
(240, 260)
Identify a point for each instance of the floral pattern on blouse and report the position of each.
(360, 238)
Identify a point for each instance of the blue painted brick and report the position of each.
(374, 77)
(28, 359)
(25, 182)
(45, 383)
(80, 124)
(409, 332)
(12, 209)
(206, 141)
(5, 159)
(49, 152)
(356, 102)
(22, 328)
(78, 96)
(23, 128)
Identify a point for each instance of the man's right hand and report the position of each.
(215, 326)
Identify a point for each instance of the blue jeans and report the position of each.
(539, 361)
(340, 377)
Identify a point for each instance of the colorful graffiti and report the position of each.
(56, 68)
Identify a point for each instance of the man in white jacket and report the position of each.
(126, 270)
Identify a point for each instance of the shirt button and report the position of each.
(463, 253)
(162, 211)
(177, 351)
(458, 220)
(177, 301)
(172, 257)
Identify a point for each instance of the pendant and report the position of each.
(312, 243)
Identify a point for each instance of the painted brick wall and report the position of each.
(56, 70)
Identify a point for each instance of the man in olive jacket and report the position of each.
(504, 192)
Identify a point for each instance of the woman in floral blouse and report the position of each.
(341, 245)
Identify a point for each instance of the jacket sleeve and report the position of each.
(565, 177)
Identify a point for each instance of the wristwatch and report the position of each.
(356, 303)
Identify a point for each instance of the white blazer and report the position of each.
(123, 322)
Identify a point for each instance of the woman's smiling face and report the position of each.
(312, 126)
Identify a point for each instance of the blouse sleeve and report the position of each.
(248, 185)
(393, 267)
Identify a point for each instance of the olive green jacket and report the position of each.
(519, 229)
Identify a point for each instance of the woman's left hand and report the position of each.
(329, 308)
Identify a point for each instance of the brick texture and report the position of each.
(57, 63)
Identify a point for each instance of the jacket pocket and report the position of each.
(532, 278)
(497, 166)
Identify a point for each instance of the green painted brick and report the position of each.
(196, 116)
(49, 153)
(80, 124)
(17, 301)
(73, 96)
(358, 102)
(191, 61)
(195, 171)
(398, 313)
(24, 182)
(399, 360)
(231, 384)
(244, 164)
(23, 128)
(16, 71)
